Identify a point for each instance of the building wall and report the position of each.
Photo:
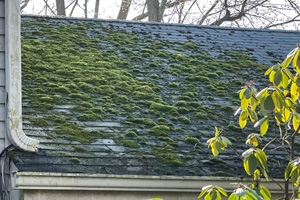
(2, 76)
(111, 195)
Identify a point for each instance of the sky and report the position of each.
(108, 9)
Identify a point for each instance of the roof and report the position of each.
(121, 97)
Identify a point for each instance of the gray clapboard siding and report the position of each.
(2, 9)
(2, 111)
(2, 26)
(2, 144)
(2, 43)
(2, 130)
(2, 77)
(2, 61)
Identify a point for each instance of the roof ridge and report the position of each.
(161, 23)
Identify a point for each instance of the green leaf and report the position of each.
(261, 94)
(288, 170)
(254, 194)
(299, 192)
(208, 197)
(252, 164)
(264, 127)
(285, 80)
(288, 73)
(276, 68)
(298, 82)
(268, 103)
(246, 165)
(294, 175)
(244, 104)
(277, 78)
(241, 95)
(262, 153)
(232, 197)
(253, 114)
(248, 152)
(269, 71)
(262, 161)
(247, 93)
(243, 119)
(289, 58)
(222, 191)
(296, 59)
(226, 140)
(262, 120)
(256, 175)
(204, 189)
(265, 192)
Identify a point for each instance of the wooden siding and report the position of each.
(2, 8)
(3, 141)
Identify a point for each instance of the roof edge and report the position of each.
(13, 78)
(104, 182)
(159, 23)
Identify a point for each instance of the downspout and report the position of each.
(13, 79)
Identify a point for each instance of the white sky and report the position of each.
(108, 9)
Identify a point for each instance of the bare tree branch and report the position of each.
(25, 3)
(75, 4)
(286, 22)
(228, 16)
(207, 13)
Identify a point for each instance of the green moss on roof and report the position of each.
(101, 76)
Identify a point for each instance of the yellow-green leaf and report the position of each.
(285, 80)
(222, 191)
(271, 76)
(243, 119)
(246, 165)
(242, 94)
(265, 192)
(289, 58)
(247, 93)
(288, 170)
(256, 175)
(277, 78)
(296, 59)
(264, 127)
(268, 103)
(253, 115)
(252, 163)
(244, 104)
(294, 175)
(269, 71)
(204, 190)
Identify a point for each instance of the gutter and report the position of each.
(104, 182)
(13, 79)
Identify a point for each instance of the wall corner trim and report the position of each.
(13, 78)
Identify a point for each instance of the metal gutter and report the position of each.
(13, 78)
(104, 182)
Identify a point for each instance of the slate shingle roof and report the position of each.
(123, 97)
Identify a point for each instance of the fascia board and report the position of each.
(103, 182)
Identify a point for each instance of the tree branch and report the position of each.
(207, 13)
(228, 16)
